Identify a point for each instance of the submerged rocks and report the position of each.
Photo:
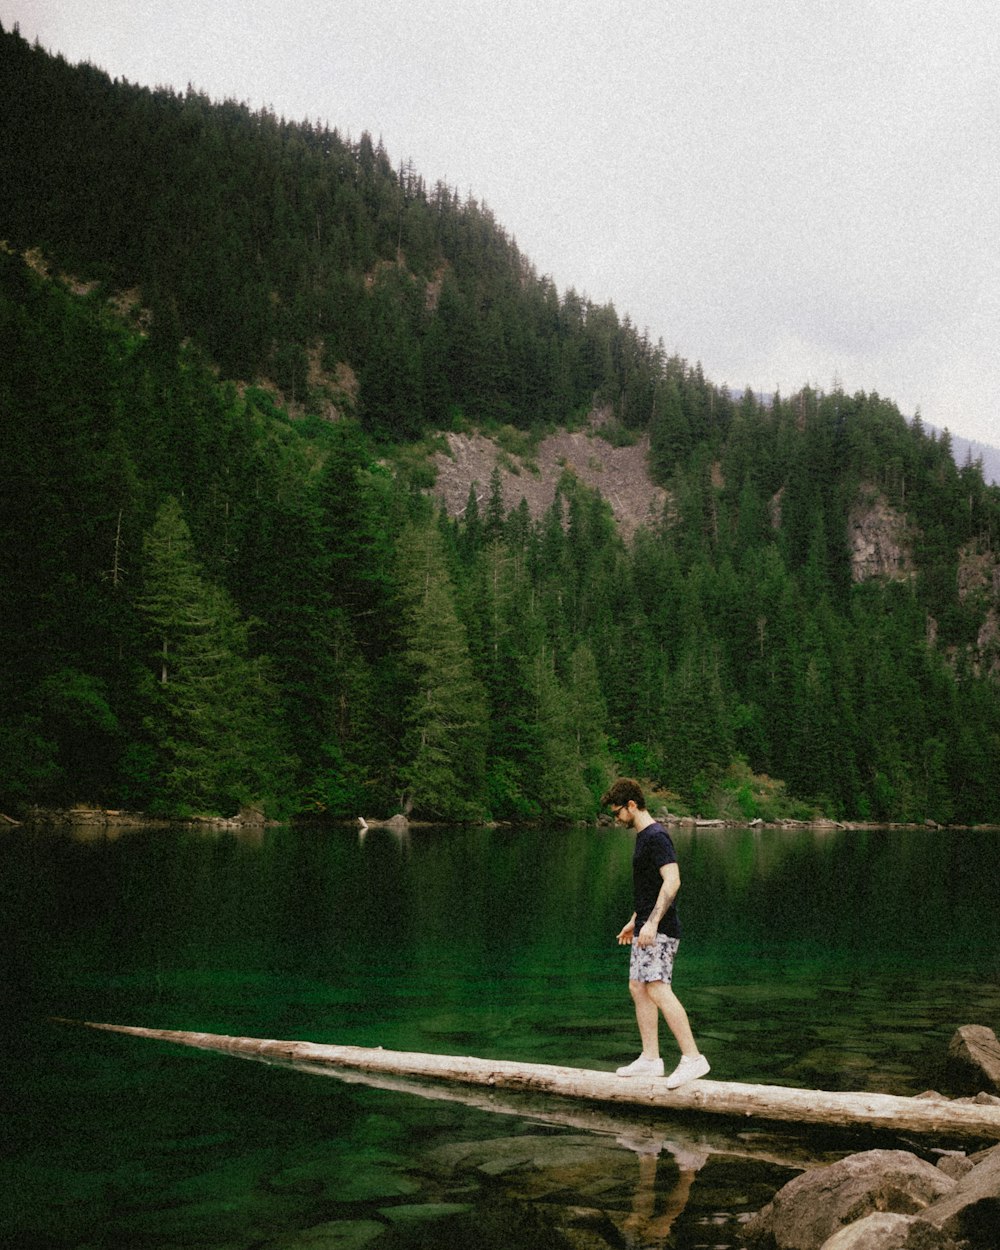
(594, 1191)
(884, 1200)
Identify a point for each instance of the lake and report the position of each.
(818, 958)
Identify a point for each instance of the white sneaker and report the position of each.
(689, 1069)
(642, 1067)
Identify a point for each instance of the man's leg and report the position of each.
(651, 998)
(662, 998)
(692, 1064)
(647, 1016)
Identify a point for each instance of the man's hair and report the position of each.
(625, 791)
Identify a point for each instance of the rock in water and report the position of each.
(811, 1208)
(974, 1060)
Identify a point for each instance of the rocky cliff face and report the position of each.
(880, 539)
(979, 589)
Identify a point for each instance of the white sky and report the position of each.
(790, 191)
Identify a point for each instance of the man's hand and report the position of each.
(647, 934)
(625, 937)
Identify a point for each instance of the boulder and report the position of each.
(807, 1211)
(887, 1231)
(970, 1213)
(955, 1165)
(973, 1063)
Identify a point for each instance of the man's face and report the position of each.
(625, 814)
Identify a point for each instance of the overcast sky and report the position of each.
(790, 191)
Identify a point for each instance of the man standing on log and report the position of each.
(654, 934)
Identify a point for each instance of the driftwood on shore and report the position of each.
(397, 823)
(886, 1112)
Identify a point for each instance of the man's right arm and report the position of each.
(625, 937)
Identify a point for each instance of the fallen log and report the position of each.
(886, 1112)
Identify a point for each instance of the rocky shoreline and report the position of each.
(886, 1200)
(895, 1199)
(249, 817)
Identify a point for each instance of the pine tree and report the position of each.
(588, 717)
(557, 782)
(444, 745)
(211, 721)
(670, 438)
(697, 724)
(510, 632)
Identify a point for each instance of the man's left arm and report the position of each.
(671, 875)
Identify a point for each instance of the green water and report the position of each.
(826, 959)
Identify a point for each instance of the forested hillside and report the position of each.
(284, 251)
(226, 578)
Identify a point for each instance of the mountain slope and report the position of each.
(222, 439)
(279, 247)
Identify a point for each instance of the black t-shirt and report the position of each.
(653, 849)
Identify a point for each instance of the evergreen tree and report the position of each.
(559, 785)
(444, 745)
(697, 724)
(211, 722)
(511, 633)
(669, 433)
(588, 716)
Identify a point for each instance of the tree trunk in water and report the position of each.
(887, 1112)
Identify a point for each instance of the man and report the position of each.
(654, 934)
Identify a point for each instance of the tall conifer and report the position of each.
(444, 744)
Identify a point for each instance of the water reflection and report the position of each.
(806, 960)
(401, 834)
(653, 1189)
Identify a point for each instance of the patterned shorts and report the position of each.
(653, 963)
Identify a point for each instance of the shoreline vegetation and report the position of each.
(739, 799)
(255, 818)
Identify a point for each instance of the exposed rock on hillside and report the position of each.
(620, 474)
(978, 572)
(879, 538)
(979, 588)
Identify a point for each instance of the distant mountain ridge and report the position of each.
(964, 449)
